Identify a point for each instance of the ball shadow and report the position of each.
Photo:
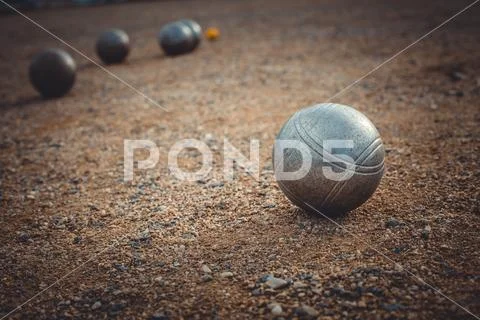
(128, 61)
(23, 102)
(320, 219)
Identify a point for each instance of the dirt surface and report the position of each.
(159, 248)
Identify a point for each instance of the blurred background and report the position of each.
(39, 4)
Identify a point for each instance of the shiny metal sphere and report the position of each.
(176, 38)
(196, 29)
(359, 162)
(113, 46)
(52, 73)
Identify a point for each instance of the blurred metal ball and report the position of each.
(113, 46)
(196, 29)
(52, 73)
(316, 191)
(176, 38)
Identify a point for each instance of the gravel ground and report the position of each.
(158, 248)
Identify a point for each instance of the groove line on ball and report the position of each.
(361, 159)
(303, 134)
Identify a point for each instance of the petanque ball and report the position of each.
(52, 73)
(113, 46)
(196, 29)
(318, 128)
(176, 38)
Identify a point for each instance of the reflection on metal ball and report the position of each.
(346, 159)
(113, 46)
(52, 73)
(176, 38)
(196, 29)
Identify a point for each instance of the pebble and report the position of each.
(272, 257)
(226, 274)
(457, 93)
(23, 237)
(426, 232)
(276, 283)
(206, 278)
(457, 76)
(256, 292)
(96, 305)
(299, 285)
(269, 205)
(64, 303)
(275, 308)
(159, 316)
(392, 223)
(393, 307)
(205, 269)
(216, 185)
(307, 311)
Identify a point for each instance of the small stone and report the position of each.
(272, 257)
(115, 308)
(205, 269)
(226, 274)
(426, 232)
(276, 283)
(269, 205)
(96, 305)
(392, 223)
(64, 303)
(457, 76)
(159, 316)
(216, 185)
(275, 308)
(393, 307)
(457, 93)
(257, 292)
(206, 278)
(305, 310)
(23, 237)
(317, 291)
(299, 285)
(265, 278)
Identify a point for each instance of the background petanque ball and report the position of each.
(315, 192)
(52, 73)
(113, 46)
(176, 38)
(196, 29)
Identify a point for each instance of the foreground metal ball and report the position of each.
(347, 159)
(176, 38)
(52, 73)
(196, 29)
(113, 46)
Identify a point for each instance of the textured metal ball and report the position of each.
(52, 73)
(341, 141)
(176, 38)
(113, 46)
(196, 29)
